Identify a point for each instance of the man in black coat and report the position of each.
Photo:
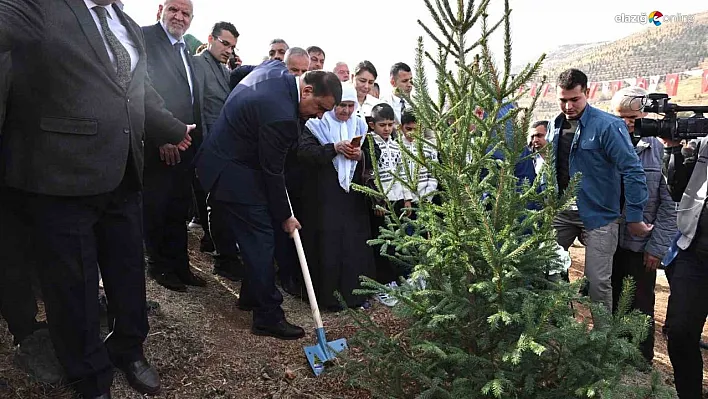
(241, 167)
(168, 173)
(73, 149)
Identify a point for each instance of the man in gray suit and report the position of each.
(214, 79)
(73, 148)
(212, 67)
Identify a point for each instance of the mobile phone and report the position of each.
(356, 141)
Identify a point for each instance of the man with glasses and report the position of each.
(211, 66)
(213, 77)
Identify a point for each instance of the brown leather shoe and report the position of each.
(142, 377)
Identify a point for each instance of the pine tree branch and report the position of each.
(447, 47)
(446, 13)
(507, 44)
(469, 10)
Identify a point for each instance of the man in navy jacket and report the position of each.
(241, 167)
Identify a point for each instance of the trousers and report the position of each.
(600, 246)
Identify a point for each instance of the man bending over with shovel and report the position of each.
(241, 167)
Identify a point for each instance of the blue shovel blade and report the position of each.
(319, 354)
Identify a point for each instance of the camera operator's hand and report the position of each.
(640, 229)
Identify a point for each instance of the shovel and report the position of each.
(322, 352)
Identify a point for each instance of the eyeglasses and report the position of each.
(227, 44)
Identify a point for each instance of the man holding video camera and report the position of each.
(686, 172)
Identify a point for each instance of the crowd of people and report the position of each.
(108, 158)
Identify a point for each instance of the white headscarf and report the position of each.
(330, 130)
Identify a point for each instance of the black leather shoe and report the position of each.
(243, 306)
(227, 274)
(169, 280)
(206, 245)
(35, 355)
(142, 377)
(189, 278)
(281, 330)
(232, 269)
(293, 288)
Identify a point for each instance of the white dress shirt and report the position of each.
(184, 58)
(370, 102)
(119, 30)
(538, 162)
(297, 83)
(395, 102)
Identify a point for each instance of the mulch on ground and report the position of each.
(201, 344)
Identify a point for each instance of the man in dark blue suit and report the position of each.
(241, 167)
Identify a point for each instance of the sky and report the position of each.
(386, 31)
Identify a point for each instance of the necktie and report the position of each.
(178, 49)
(403, 105)
(122, 58)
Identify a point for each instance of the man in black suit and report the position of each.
(241, 167)
(73, 148)
(169, 174)
(214, 78)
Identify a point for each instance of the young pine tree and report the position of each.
(487, 323)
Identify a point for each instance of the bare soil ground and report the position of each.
(201, 345)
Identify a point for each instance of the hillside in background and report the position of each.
(561, 54)
(669, 48)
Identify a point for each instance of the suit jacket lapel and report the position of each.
(195, 85)
(218, 70)
(88, 26)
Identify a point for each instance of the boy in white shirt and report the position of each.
(388, 159)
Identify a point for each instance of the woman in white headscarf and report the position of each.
(335, 218)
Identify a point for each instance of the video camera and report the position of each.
(671, 127)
